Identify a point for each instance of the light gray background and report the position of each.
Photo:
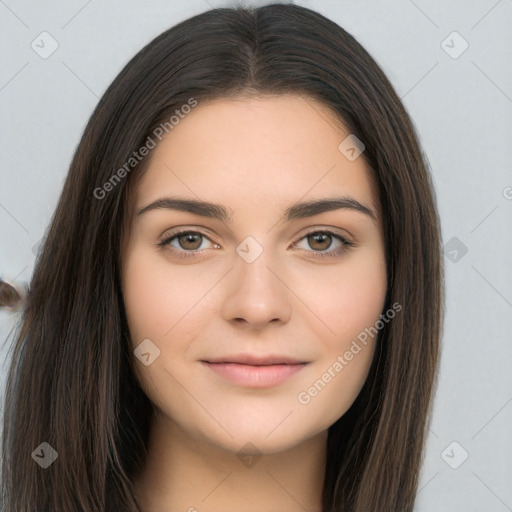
(462, 109)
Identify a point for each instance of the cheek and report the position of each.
(165, 306)
(349, 299)
(359, 300)
(156, 302)
(352, 301)
(157, 299)
(329, 394)
(145, 298)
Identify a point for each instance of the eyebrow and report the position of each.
(295, 211)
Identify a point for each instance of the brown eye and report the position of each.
(317, 244)
(319, 241)
(190, 241)
(187, 244)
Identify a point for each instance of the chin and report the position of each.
(265, 437)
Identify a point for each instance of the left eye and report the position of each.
(320, 241)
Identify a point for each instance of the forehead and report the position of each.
(252, 152)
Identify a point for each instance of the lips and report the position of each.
(253, 360)
(252, 371)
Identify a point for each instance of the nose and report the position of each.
(257, 295)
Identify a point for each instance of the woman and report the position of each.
(185, 348)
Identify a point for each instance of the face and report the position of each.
(249, 327)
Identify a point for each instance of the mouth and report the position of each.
(254, 371)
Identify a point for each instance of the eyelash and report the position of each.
(316, 254)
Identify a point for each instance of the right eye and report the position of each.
(185, 243)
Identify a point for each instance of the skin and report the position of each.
(255, 156)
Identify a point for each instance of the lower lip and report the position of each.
(255, 376)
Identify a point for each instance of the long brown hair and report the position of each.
(71, 382)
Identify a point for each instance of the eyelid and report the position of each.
(336, 231)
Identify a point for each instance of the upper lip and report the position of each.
(254, 360)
